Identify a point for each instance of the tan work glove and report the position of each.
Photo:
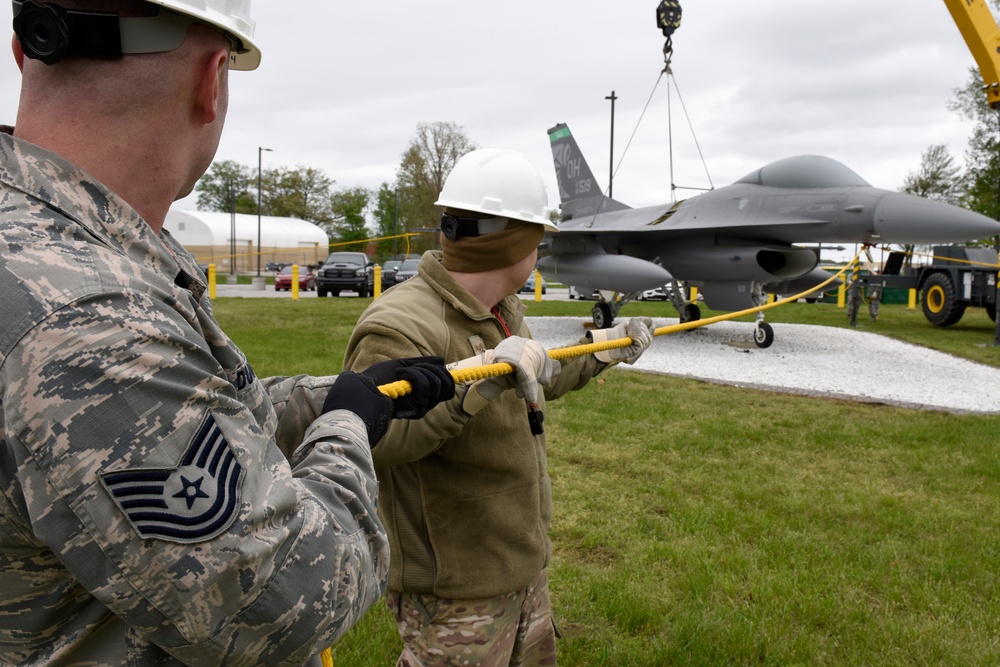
(532, 366)
(639, 329)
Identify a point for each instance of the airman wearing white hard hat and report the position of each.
(465, 493)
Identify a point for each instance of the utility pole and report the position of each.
(611, 159)
(259, 151)
(232, 228)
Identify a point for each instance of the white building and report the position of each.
(230, 240)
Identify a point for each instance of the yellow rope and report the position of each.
(403, 387)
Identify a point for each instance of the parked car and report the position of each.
(275, 266)
(655, 294)
(389, 268)
(406, 270)
(353, 271)
(583, 293)
(529, 285)
(283, 279)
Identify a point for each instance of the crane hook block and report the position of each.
(668, 17)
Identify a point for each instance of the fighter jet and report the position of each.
(735, 243)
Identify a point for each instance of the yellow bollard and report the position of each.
(912, 302)
(211, 281)
(538, 286)
(842, 296)
(770, 298)
(694, 294)
(377, 291)
(295, 282)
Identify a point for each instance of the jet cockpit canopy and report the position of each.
(805, 171)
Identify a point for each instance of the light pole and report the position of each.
(259, 152)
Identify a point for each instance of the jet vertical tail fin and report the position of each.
(579, 193)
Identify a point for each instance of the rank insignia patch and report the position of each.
(195, 501)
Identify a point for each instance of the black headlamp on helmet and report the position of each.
(454, 226)
(49, 32)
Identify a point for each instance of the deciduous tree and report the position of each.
(226, 182)
(425, 165)
(348, 207)
(938, 178)
(303, 192)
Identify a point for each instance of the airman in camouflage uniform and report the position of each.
(465, 493)
(159, 503)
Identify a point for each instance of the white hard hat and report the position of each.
(500, 183)
(231, 16)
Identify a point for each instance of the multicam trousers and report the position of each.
(514, 630)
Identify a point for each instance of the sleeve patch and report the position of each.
(192, 502)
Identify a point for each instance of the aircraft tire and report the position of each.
(602, 316)
(940, 305)
(690, 312)
(763, 335)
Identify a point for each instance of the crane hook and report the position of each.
(668, 19)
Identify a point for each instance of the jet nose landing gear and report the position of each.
(763, 334)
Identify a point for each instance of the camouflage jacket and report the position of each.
(467, 501)
(147, 513)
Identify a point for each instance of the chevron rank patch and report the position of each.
(193, 502)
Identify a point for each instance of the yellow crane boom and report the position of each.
(982, 35)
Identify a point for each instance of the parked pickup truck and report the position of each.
(352, 271)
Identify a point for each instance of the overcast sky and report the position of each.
(343, 85)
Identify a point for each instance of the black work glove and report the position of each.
(431, 381)
(358, 392)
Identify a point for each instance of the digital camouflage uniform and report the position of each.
(147, 514)
(860, 291)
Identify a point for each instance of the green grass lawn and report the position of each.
(699, 524)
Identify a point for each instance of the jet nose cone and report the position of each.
(903, 218)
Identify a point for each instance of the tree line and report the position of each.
(309, 194)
